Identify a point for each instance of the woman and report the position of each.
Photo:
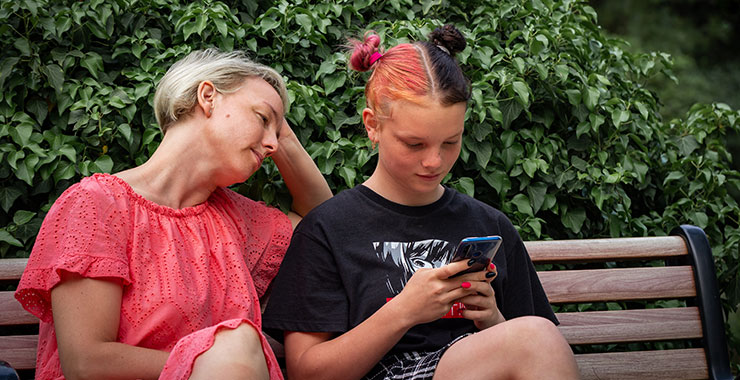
(358, 295)
(157, 271)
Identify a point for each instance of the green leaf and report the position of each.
(522, 204)
(573, 219)
(519, 65)
(304, 21)
(55, 75)
(267, 24)
(700, 219)
(348, 174)
(8, 195)
(21, 134)
(93, 62)
(104, 163)
(574, 96)
(522, 92)
(6, 237)
(23, 217)
(537, 194)
(467, 186)
(591, 97)
(687, 144)
(530, 167)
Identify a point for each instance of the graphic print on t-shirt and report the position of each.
(410, 256)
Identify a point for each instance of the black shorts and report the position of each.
(412, 365)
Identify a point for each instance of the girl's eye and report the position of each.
(414, 146)
(451, 142)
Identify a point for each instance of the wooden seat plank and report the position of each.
(19, 350)
(12, 269)
(13, 313)
(618, 284)
(681, 364)
(586, 250)
(622, 326)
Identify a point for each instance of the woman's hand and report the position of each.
(481, 306)
(305, 182)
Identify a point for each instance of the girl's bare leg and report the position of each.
(521, 348)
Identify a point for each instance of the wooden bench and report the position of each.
(621, 272)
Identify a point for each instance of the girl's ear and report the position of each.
(371, 124)
(206, 97)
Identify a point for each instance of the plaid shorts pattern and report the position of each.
(409, 365)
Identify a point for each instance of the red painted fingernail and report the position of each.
(465, 285)
(493, 266)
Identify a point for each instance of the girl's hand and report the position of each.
(430, 293)
(481, 306)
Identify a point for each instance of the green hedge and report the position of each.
(562, 134)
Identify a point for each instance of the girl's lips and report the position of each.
(428, 177)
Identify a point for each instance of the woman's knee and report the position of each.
(235, 353)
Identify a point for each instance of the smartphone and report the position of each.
(479, 251)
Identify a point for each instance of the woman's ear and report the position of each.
(206, 97)
(371, 124)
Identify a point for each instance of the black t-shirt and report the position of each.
(357, 250)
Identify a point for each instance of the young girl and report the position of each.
(364, 291)
(157, 271)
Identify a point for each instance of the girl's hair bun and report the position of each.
(362, 51)
(449, 39)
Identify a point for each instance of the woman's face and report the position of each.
(245, 128)
(417, 146)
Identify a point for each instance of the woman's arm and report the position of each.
(427, 296)
(86, 318)
(304, 180)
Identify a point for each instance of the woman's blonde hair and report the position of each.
(176, 93)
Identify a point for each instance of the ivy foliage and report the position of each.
(561, 133)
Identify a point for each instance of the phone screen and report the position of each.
(479, 251)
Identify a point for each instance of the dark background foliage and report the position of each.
(563, 133)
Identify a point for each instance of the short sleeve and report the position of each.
(267, 264)
(523, 292)
(265, 232)
(308, 294)
(85, 232)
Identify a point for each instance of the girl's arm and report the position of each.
(427, 296)
(304, 180)
(86, 316)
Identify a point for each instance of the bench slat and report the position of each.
(19, 350)
(586, 250)
(682, 364)
(598, 327)
(618, 284)
(13, 313)
(12, 269)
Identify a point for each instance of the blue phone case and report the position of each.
(479, 251)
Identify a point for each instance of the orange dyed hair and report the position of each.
(411, 71)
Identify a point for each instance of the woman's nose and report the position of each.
(270, 142)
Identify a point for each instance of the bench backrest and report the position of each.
(677, 334)
(620, 273)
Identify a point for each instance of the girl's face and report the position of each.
(246, 124)
(417, 146)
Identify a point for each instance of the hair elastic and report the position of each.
(376, 56)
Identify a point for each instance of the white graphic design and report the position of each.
(410, 256)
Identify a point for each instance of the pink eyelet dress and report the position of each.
(186, 273)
